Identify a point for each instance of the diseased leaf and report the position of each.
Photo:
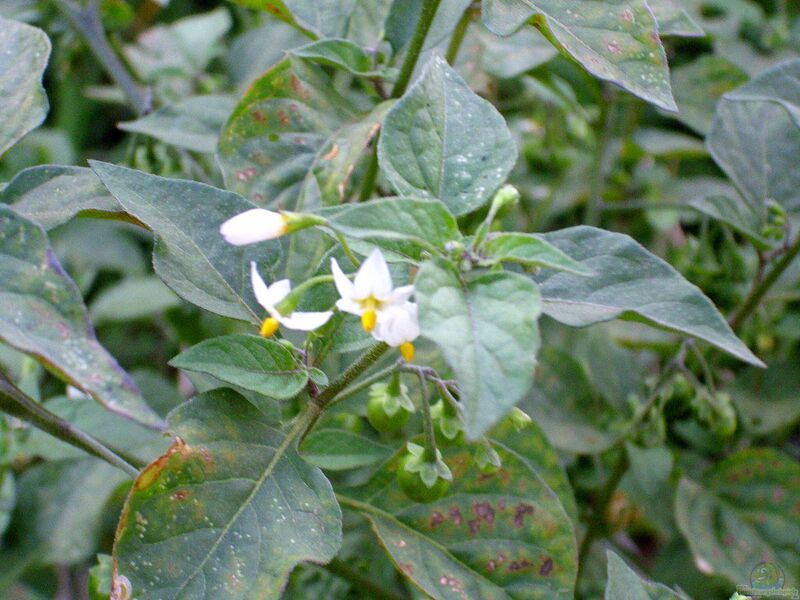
(494, 535)
(486, 328)
(190, 255)
(246, 361)
(625, 584)
(52, 194)
(530, 250)
(630, 283)
(228, 511)
(43, 314)
(24, 52)
(338, 450)
(443, 141)
(615, 40)
(342, 54)
(402, 226)
(193, 123)
(743, 514)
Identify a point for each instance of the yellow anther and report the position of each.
(407, 350)
(368, 320)
(269, 327)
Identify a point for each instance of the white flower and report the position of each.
(385, 311)
(254, 225)
(270, 297)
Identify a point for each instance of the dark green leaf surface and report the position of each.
(631, 283)
(501, 535)
(24, 51)
(743, 514)
(338, 450)
(43, 314)
(625, 584)
(441, 140)
(193, 123)
(52, 194)
(190, 255)
(615, 40)
(531, 250)
(246, 361)
(486, 327)
(227, 512)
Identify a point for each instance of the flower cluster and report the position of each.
(386, 312)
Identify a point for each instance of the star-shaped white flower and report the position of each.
(254, 225)
(270, 296)
(399, 327)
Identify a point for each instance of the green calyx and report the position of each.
(429, 472)
(447, 422)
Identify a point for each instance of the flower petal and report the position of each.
(305, 321)
(373, 278)
(254, 225)
(401, 295)
(343, 285)
(277, 292)
(260, 288)
(397, 324)
(349, 306)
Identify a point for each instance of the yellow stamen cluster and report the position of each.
(407, 350)
(269, 327)
(370, 315)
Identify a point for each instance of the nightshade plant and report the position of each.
(381, 346)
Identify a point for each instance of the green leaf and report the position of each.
(228, 511)
(193, 123)
(764, 115)
(486, 327)
(735, 213)
(342, 54)
(24, 51)
(743, 514)
(324, 18)
(132, 298)
(631, 284)
(404, 16)
(441, 140)
(499, 535)
(100, 578)
(530, 250)
(51, 195)
(779, 383)
(698, 87)
(339, 450)
(615, 40)
(43, 314)
(247, 361)
(402, 226)
(278, 130)
(508, 57)
(625, 584)
(673, 20)
(190, 255)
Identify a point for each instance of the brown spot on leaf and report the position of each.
(491, 566)
(546, 567)
(778, 494)
(437, 519)
(518, 565)
(332, 153)
(520, 512)
(406, 568)
(455, 516)
(180, 495)
(150, 474)
(283, 118)
(258, 116)
(484, 511)
(246, 174)
(474, 526)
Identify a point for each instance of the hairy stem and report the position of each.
(16, 403)
(427, 422)
(757, 293)
(429, 8)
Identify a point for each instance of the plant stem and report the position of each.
(598, 177)
(371, 176)
(361, 582)
(346, 248)
(757, 293)
(458, 36)
(86, 21)
(427, 422)
(364, 383)
(17, 404)
(429, 8)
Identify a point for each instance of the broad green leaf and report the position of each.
(494, 535)
(669, 144)
(43, 314)
(190, 255)
(486, 328)
(246, 361)
(193, 123)
(615, 40)
(736, 213)
(338, 450)
(278, 129)
(625, 584)
(766, 400)
(508, 57)
(744, 513)
(24, 51)
(530, 250)
(633, 284)
(443, 141)
(228, 511)
(52, 194)
(323, 18)
(342, 54)
(698, 87)
(132, 298)
(403, 226)
(764, 115)
(61, 508)
(673, 20)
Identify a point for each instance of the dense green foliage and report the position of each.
(359, 299)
